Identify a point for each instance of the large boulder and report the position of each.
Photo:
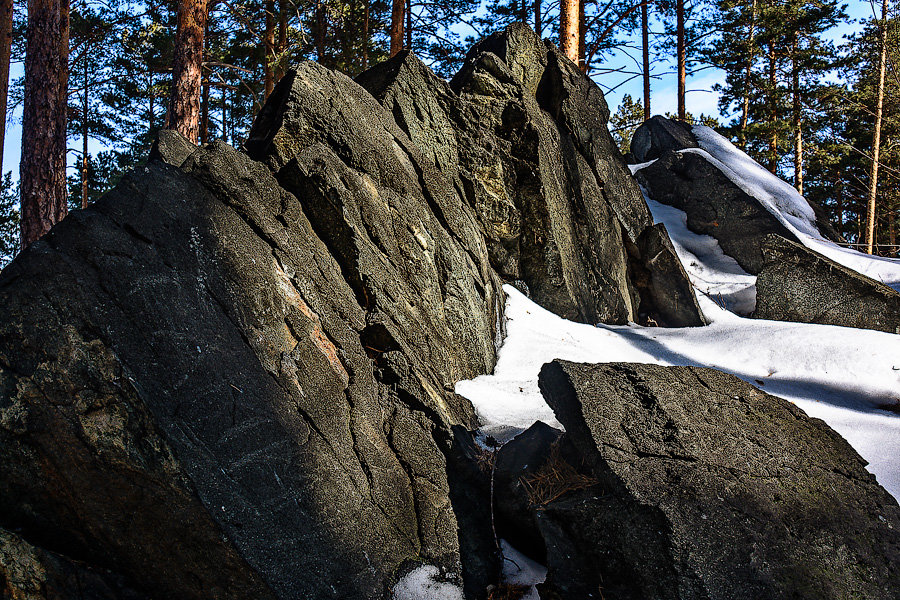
(797, 284)
(711, 489)
(683, 175)
(714, 204)
(657, 135)
(523, 134)
(234, 378)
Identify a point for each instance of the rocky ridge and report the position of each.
(232, 376)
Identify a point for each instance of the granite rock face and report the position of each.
(710, 488)
(234, 378)
(523, 135)
(797, 284)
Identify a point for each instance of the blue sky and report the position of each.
(700, 97)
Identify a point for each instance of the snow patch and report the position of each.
(788, 206)
(423, 583)
(844, 376)
(518, 569)
(710, 270)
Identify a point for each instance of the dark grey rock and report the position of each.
(663, 282)
(31, 573)
(710, 488)
(171, 147)
(523, 135)
(514, 511)
(798, 284)
(657, 135)
(715, 206)
(224, 381)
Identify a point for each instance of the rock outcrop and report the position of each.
(523, 135)
(714, 205)
(797, 284)
(773, 504)
(659, 135)
(683, 176)
(234, 378)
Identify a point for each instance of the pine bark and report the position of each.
(582, 41)
(321, 25)
(797, 117)
(85, 111)
(538, 17)
(568, 28)
(187, 69)
(645, 51)
(876, 133)
(269, 61)
(42, 169)
(773, 109)
(409, 31)
(365, 41)
(6, 21)
(682, 59)
(398, 19)
(748, 71)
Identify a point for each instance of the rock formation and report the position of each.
(772, 505)
(232, 376)
(523, 135)
(714, 204)
(797, 284)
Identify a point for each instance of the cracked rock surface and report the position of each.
(710, 488)
(797, 284)
(522, 134)
(233, 377)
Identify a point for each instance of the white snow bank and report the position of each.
(424, 583)
(788, 206)
(710, 270)
(838, 374)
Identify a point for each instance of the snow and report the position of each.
(423, 583)
(787, 205)
(710, 270)
(841, 375)
(521, 570)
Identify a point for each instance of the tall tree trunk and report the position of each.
(568, 28)
(582, 42)
(748, 71)
(398, 19)
(523, 11)
(204, 94)
(85, 111)
(682, 59)
(6, 21)
(365, 41)
(281, 47)
(42, 169)
(321, 33)
(773, 110)
(269, 61)
(645, 51)
(187, 69)
(538, 18)
(876, 134)
(798, 115)
(409, 31)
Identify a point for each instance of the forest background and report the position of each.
(796, 84)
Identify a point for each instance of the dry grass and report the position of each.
(554, 479)
(507, 591)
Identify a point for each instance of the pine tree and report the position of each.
(184, 104)
(42, 170)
